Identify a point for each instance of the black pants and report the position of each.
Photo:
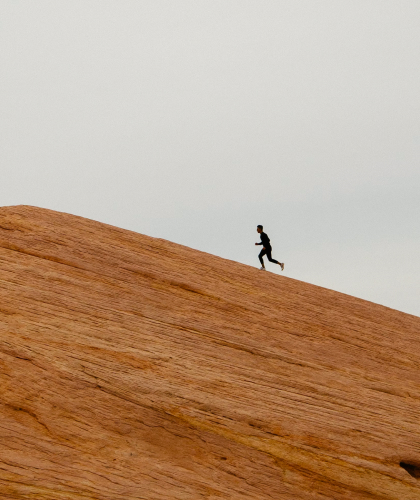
(266, 251)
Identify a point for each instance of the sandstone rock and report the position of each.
(135, 368)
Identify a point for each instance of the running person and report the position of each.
(265, 241)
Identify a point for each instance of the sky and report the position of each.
(196, 120)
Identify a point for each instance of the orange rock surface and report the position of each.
(135, 368)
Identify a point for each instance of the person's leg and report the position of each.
(273, 260)
(260, 256)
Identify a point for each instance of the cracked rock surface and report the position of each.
(135, 368)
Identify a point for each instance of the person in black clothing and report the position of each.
(265, 242)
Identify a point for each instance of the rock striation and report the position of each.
(135, 368)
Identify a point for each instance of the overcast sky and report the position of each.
(196, 120)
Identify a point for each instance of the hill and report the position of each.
(135, 368)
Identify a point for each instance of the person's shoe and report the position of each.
(282, 266)
(262, 268)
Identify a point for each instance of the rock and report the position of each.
(135, 368)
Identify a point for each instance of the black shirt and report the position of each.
(265, 240)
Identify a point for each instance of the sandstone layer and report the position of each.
(135, 368)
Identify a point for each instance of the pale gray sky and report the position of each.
(196, 120)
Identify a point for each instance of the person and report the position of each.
(265, 241)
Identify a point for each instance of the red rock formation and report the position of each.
(135, 368)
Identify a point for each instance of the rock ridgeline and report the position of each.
(135, 368)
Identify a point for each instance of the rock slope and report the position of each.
(135, 368)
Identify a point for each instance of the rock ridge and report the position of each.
(135, 368)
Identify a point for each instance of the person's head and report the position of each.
(259, 228)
